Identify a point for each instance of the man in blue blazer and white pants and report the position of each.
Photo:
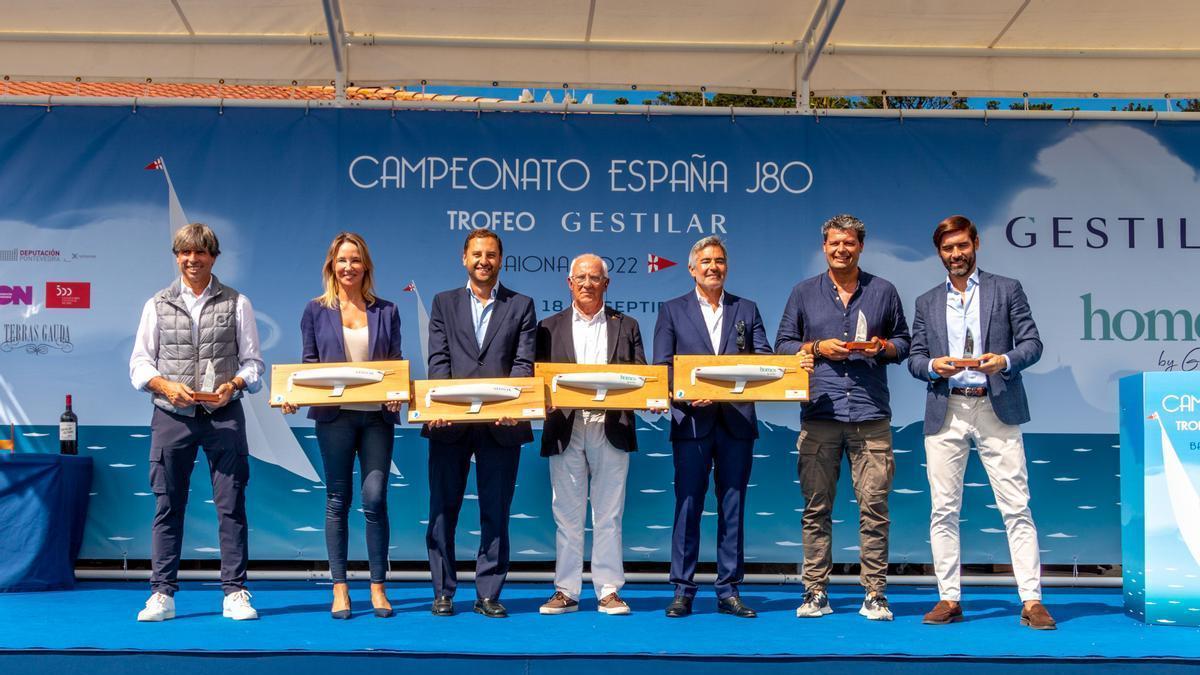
(707, 436)
(480, 330)
(976, 315)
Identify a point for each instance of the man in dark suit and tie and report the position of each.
(588, 449)
(482, 330)
(706, 436)
(976, 315)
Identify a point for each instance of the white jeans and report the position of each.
(1003, 455)
(589, 459)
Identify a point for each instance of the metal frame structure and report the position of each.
(952, 48)
(566, 107)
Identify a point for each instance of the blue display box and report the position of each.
(1160, 503)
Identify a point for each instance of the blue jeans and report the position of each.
(369, 436)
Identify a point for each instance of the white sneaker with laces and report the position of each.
(815, 605)
(875, 607)
(159, 607)
(237, 606)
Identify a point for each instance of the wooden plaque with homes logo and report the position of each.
(339, 383)
(739, 378)
(617, 386)
(478, 400)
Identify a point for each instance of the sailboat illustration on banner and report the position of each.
(270, 438)
(1185, 502)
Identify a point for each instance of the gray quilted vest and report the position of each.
(178, 358)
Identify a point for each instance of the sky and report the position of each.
(637, 97)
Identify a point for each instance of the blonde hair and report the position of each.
(330, 297)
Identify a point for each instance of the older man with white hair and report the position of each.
(588, 449)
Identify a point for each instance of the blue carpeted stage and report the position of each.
(92, 630)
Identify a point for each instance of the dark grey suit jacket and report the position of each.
(1007, 327)
(556, 344)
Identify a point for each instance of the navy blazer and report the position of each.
(680, 329)
(507, 351)
(321, 329)
(556, 344)
(1008, 328)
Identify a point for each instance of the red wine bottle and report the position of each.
(68, 431)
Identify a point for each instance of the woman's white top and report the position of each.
(358, 349)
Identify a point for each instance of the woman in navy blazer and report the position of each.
(349, 323)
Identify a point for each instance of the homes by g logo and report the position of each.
(68, 295)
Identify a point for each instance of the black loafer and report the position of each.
(734, 605)
(490, 608)
(680, 607)
(443, 605)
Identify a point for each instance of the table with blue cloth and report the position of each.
(43, 506)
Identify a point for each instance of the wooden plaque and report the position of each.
(288, 385)
(692, 385)
(479, 400)
(578, 389)
(964, 363)
(859, 346)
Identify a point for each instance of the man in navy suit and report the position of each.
(481, 330)
(707, 436)
(976, 315)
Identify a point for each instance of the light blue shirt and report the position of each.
(481, 313)
(962, 312)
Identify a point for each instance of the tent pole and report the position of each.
(337, 42)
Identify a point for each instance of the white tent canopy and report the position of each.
(1113, 48)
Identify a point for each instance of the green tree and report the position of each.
(911, 102)
(1188, 105)
(1134, 106)
(1040, 105)
(621, 100)
(993, 105)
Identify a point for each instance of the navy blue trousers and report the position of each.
(369, 437)
(495, 481)
(174, 441)
(729, 459)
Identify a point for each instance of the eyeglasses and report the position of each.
(582, 279)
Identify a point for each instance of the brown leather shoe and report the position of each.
(943, 613)
(1037, 618)
(613, 604)
(559, 603)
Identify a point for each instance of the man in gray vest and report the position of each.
(197, 335)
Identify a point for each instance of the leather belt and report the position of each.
(974, 392)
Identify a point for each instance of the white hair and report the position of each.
(581, 256)
(711, 240)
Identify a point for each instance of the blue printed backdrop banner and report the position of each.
(1092, 217)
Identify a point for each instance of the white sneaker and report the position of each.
(237, 606)
(159, 607)
(815, 605)
(875, 607)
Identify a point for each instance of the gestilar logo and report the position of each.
(1128, 325)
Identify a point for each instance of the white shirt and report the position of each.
(143, 360)
(590, 337)
(358, 349)
(712, 319)
(481, 313)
